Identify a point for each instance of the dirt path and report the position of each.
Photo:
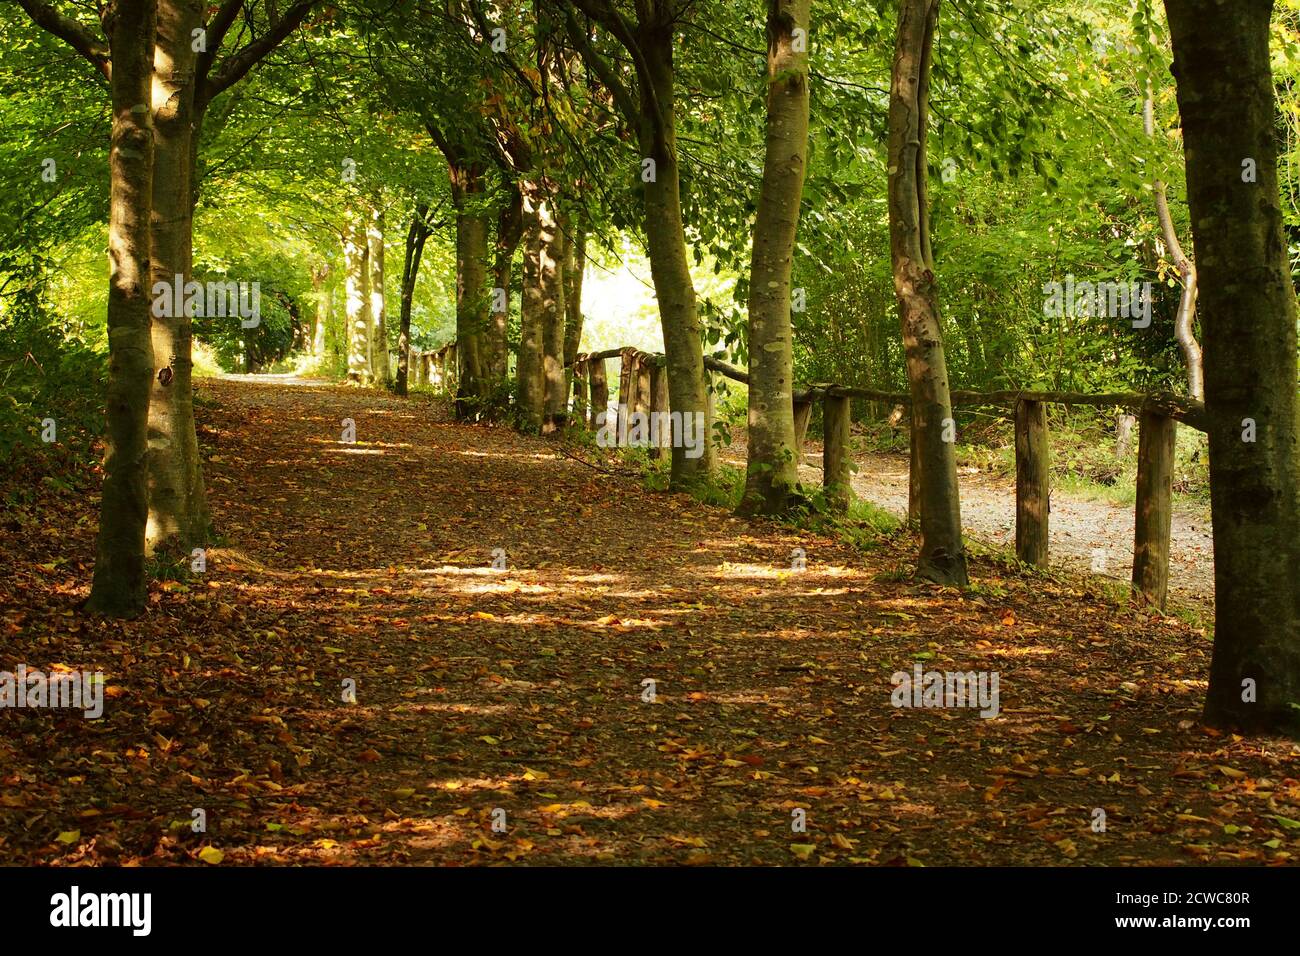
(519, 696)
(1091, 536)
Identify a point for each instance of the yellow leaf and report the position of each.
(210, 854)
(1231, 772)
(802, 850)
(69, 836)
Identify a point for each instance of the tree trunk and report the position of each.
(598, 401)
(416, 234)
(1124, 435)
(943, 557)
(837, 460)
(119, 586)
(510, 226)
(543, 298)
(356, 255)
(378, 307)
(1183, 332)
(471, 288)
(1153, 509)
(1033, 484)
(323, 304)
(555, 381)
(913, 471)
(661, 432)
(772, 473)
(178, 514)
(666, 243)
(1248, 318)
(575, 266)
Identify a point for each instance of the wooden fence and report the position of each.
(436, 369)
(643, 387)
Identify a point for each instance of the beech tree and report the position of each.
(542, 305)
(119, 583)
(773, 468)
(646, 102)
(509, 231)
(943, 556)
(1248, 316)
(186, 79)
(357, 300)
(417, 234)
(188, 70)
(379, 367)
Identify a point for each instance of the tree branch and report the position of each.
(71, 32)
(236, 67)
(623, 97)
(216, 35)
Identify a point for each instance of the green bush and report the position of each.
(46, 373)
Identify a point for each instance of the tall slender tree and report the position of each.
(773, 469)
(119, 583)
(943, 556)
(185, 78)
(1248, 316)
(417, 233)
(646, 100)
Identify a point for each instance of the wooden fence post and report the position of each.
(599, 387)
(1033, 483)
(1154, 510)
(660, 430)
(627, 384)
(642, 387)
(913, 470)
(837, 471)
(802, 415)
(710, 406)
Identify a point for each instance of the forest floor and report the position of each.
(1089, 535)
(520, 696)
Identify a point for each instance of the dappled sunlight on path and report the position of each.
(604, 673)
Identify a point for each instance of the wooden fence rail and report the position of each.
(643, 387)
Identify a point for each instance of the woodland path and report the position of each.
(521, 690)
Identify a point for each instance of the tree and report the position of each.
(417, 233)
(575, 267)
(1186, 315)
(379, 367)
(356, 309)
(510, 229)
(772, 474)
(542, 305)
(467, 186)
(646, 102)
(119, 583)
(184, 52)
(943, 557)
(186, 67)
(1248, 317)
(552, 246)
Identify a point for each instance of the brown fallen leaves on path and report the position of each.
(640, 679)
